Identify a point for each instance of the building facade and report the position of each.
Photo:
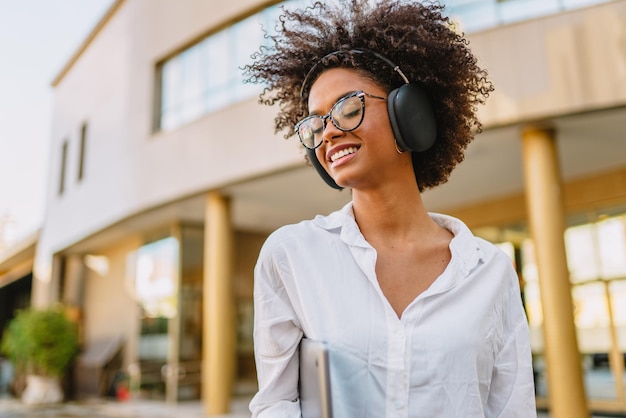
(166, 176)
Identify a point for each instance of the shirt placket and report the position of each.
(397, 372)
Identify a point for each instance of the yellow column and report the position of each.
(547, 221)
(72, 297)
(219, 335)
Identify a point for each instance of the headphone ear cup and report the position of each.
(412, 117)
(320, 170)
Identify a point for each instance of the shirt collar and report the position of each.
(464, 245)
(344, 221)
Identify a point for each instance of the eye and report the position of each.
(348, 109)
(316, 125)
(317, 130)
(306, 132)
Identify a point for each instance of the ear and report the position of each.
(412, 117)
(320, 170)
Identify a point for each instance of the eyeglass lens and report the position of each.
(346, 115)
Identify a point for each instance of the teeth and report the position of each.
(342, 153)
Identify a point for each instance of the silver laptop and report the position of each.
(315, 380)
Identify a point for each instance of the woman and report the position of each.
(423, 319)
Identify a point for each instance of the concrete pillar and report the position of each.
(73, 285)
(72, 297)
(45, 291)
(219, 333)
(547, 222)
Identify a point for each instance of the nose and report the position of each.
(330, 130)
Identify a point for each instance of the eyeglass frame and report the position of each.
(359, 93)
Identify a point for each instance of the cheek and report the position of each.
(383, 122)
(378, 126)
(321, 154)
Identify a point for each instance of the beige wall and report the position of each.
(567, 63)
(109, 308)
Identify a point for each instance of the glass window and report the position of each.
(591, 315)
(574, 4)
(156, 278)
(516, 10)
(531, 288)
(248, 36)
(218, 71)
(208, 75)
(192, 86)
(475, 15)
(596, 257)
(618, 303)
(612, 247)
(171, 97)
(581, 248)
(597, 250)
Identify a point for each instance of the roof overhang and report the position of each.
(17, 261)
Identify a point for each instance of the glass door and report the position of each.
(189, 360)
(168, 288)
(156, 290)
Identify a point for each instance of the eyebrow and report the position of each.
(339, 97)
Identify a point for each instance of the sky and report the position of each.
(37, 38)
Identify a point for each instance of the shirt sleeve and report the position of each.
(277, 335)
(512, 391)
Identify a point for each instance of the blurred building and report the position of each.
(166, 177)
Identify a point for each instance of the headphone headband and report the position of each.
(395, 67)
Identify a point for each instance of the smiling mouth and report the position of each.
(342, 153)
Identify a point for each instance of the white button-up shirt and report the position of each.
(460, 349)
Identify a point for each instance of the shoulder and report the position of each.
(479, 256)
(305, 236)
(468, 243)
(493, 253)
(288, 235)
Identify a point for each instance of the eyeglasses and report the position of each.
(347, 115)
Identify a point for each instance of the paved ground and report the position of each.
(102, 408)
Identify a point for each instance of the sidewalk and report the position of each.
(104, 408)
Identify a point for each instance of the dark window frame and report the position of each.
(63, 168)
(81, 151)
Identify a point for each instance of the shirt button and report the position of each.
(397, 404)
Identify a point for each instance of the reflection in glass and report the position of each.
(156, 283)
(476, 15)
(612, 247)
(591, 315)
(207, 76)
(617, 289)
(154, 268)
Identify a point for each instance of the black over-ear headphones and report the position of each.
(410, 112)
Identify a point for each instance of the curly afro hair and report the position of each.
(415, 36)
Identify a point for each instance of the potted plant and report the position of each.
(41, 344)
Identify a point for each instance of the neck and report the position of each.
(395, 212)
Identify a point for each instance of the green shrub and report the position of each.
(42, 342)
